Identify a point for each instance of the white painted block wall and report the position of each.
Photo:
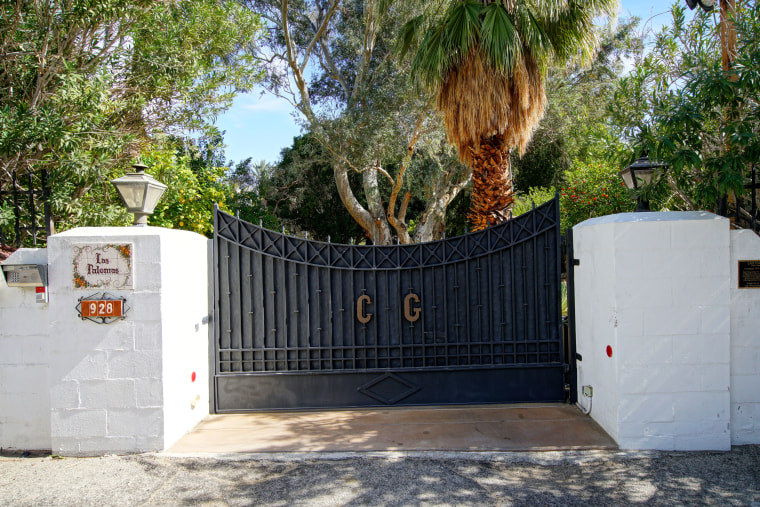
(24, 358)
(126, 386)
(655, 288)
(745, 345)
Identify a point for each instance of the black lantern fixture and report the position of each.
(641, 172)
(707, 5)
(140, 192)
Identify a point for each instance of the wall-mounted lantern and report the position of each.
(641, 172)
(707, 5)
(140, 193)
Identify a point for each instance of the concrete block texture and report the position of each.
(143, 422)
(666, 385)
(703, 406)
(148, 392)
(78, 423)
(745, 423)
(92, 366)
(645, 408)
(83, 387)
(700, 349)
(132, 365)
(65, 394)
(25, 321)
(166, 302)
(111, 393)
(646, 351)
(745, 344)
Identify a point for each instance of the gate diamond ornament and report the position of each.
(389, 389)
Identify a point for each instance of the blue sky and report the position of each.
(260, 126)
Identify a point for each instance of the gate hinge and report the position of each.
(576, 262)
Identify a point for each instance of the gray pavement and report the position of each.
(600, 477)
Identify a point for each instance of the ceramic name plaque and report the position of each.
(102, 266)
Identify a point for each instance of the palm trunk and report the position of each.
(492, 184)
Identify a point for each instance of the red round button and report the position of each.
(192, 377)
(609, 351)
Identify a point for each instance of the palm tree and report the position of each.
(485, 61)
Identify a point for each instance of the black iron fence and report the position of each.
(25, 209)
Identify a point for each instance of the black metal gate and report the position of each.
(305, 324)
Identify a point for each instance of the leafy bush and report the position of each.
(189, 201)
(535, 196)
(593, 190)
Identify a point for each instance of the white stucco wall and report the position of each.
(655, 287)
(126, 386)
(745, 345)
(24, 362)
(595, 307)
(185, 327)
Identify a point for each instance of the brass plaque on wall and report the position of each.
(749, 274)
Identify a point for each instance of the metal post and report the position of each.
(16, 211)
(32, 211)
(49, 227)
(754, 198)
(573, 381)
(2, 234)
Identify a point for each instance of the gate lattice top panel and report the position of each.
(483, 300)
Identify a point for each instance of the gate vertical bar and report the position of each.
(32, 208)
(558, 278)
(214, 336)
(536, 317)
(16, 210)
(46, 204)
(571, 318)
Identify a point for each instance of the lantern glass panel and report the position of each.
(133, 194)
(154, 193)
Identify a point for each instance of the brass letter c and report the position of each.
(361, 312)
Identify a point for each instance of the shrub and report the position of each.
(593, 190)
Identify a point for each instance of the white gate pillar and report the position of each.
(140, 383)
(653, 328)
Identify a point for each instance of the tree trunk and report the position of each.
(380, 232)
(492, 184)
(377, 229)
(432, 223)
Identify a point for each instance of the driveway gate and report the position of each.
(470, 319)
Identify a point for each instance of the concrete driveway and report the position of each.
(458, 428)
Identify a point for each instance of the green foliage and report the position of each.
(576, 124)
(593, 190)
(535, 197)
(249, 187)
(376, 134)
(302, 194)
(502, 33)
(544, 163)
(84, 86)
(190, 58)
(188, 202)
(681, 107)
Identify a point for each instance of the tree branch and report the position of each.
(318, 35)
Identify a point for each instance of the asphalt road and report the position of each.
(531, 478)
